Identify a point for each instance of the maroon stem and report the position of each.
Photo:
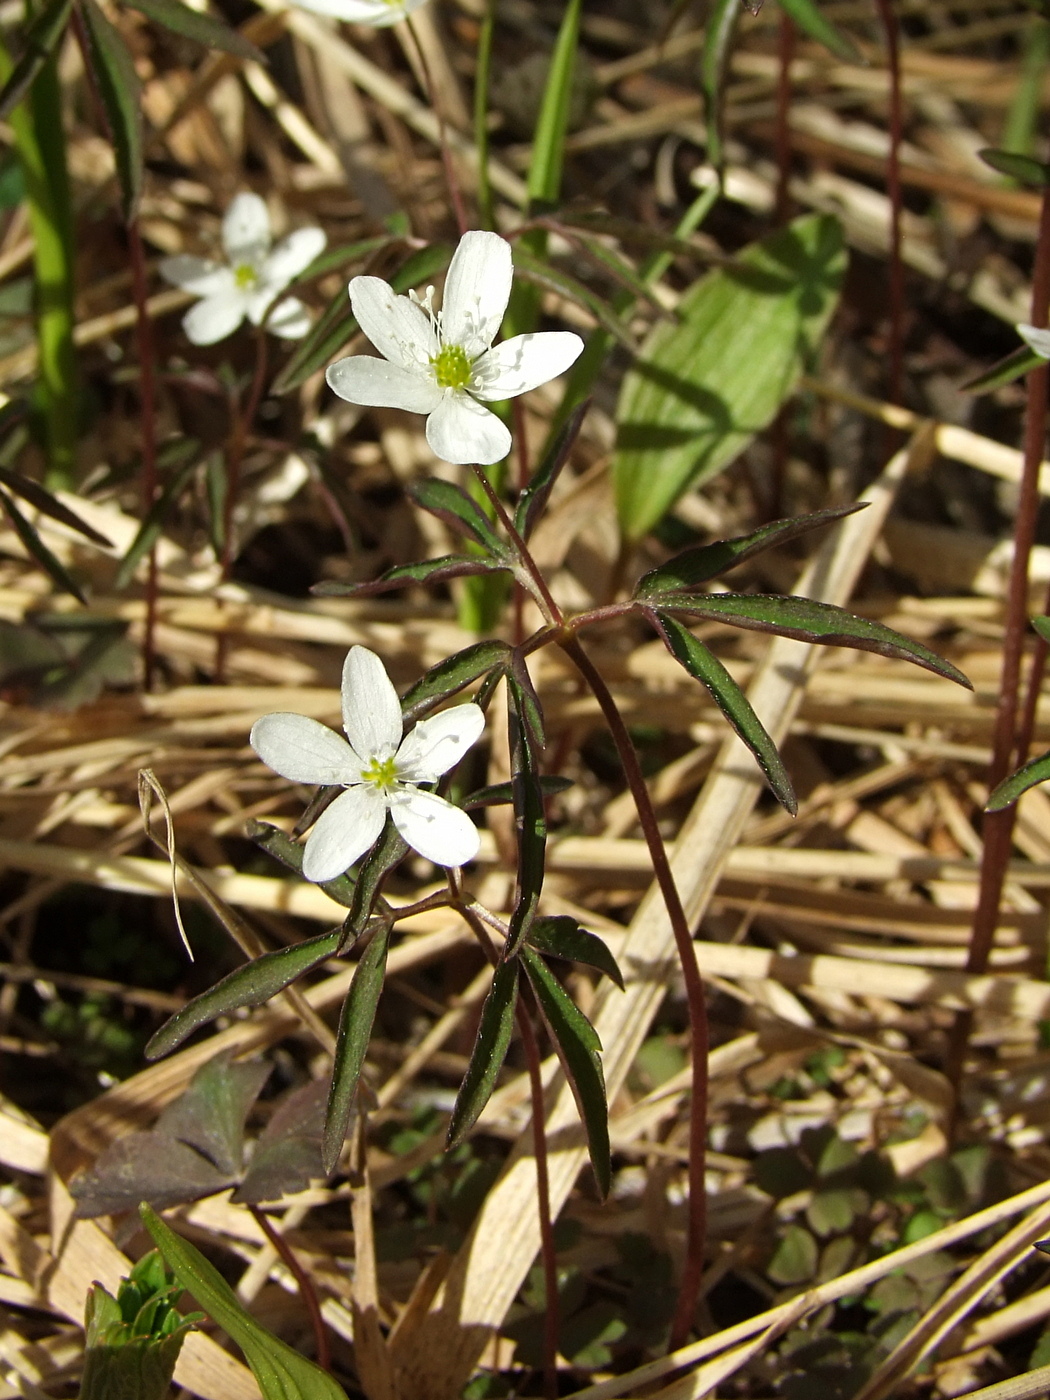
(543, 1203)
(694, 989)
(785, 53)
(895, 373)
(304, 1282)
(539, 589)
(148, 407)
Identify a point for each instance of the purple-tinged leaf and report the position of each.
(460, 512)
(452, 675)
(41, 41)
(211, 1114)
(35, 546)
(1030, 775)
(42, 500)
(560, 936)
(408, 575)
(542, 273)
(490, 1050)
(145, 1166)
(287, 1156)
(499, 794)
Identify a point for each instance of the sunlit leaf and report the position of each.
(427, 571)
(490, 1050)
(460, 513)
(560, 936)
(719, 35)
(453, 674)
(544, 274)
(280, 845)
(1030, 775)
(499, 794)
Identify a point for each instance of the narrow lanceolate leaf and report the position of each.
(42, 500)
(500, 794)
(460, 512)
(281, 1371)
(35, 546)
(346, 254)
(720, 33)
(452, 675)
(536, 494)
(707, 384)
(490, 1050)
(810, 621)
(149, 531)
(529, 816)
(1019, 362)
(1024, 169)
(337, 325)
(543, 274)
(705, 667)
(355, 1030)
(810, 19)
(708, 561)
(579, 1050)
(202, 28)
(1035, 771)
(41, 42)
(120, 90)
(251, 985)
(409, 575)
(1042, 626)
(280, 845)
(375, 867)
(560, 936)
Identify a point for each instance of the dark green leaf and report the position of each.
(149, 531)
(1023, 169)
(337, 325)
(1019, 362)
(707, 384)
(810, 621)
(355, 1030)
(407, 575)
(541, 273)
(202, 28)
(499, 794)
(47, 504)
(452, 675)
(41, 42)
(211, 1114)
(578, 1047)
(533, 499)
(280, 845)
(529, 816)
(1035, 771)
(560, 936)
(373, 870)
(35, 546)
(281, 1371)
(708, 561)
(490, 1050)
(121, 94)
(705, 667)
(807, 15)
(794, 1260)
(251, 985)
(460, 512)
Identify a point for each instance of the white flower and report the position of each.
(377, 13)
(441, 362)
(1037, 340)
(380, 769)
(252, 281)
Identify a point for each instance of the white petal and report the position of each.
(379, 384)
(246, 229)
(214, 318)
(371, 709)
(524, 361)
(200, 276)
(434, 828)
(1038, 340)
(462, 431)
(293, 255)
(398, 328)
(438, 742)
(303, 750)
(290, 319)
(343, 832)
(477, 290)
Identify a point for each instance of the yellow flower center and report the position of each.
(381, 772)
(451, 367)
(244, 276)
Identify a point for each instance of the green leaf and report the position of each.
(41, 41)
(47, 504)
(1023, 169)
(722, 22)
(410, 575)
(280, 845)
(560, 936)
(452, 675)
(1019, 362)
(579, 1050)
(355, 1030)
(499, 794)
(337, 325)
(132, 1342)
(542, 273)
(121, 94)
(552, 125)
(35, 546)
(281, 1371)
(811, 21)
(490, 1050)
(530, 820)
(535, 495)
(202, 28)
(705, 667)
(461, 513)
(1031, 774)
(795, 1257)
(149, 531)
(810, 621)
(705, 386)
(335, 259)
(1042, 626)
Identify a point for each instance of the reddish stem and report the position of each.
(543, 1203)
(147, 401)
(895, 374)
(304, 1282)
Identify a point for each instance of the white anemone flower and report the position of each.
(442, 363)
(254, 276)
(380, 768)
(1036, 339)
(377, 13)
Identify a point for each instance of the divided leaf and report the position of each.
(287, 1155)
(490, 1050)
(211, 1114)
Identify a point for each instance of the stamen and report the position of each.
(381, 773)
(452, 368)
(245, 276)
